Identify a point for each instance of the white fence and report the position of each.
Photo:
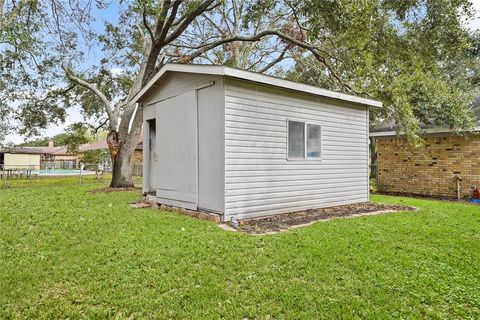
(22, 171)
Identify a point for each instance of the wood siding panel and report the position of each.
(259, 180)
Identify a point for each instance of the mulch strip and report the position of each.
(282, 222)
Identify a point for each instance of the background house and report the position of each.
(20, 158)
(243, 144)
(37, 157)
(57, 157)
(432, 170)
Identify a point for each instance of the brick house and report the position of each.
(432, 170)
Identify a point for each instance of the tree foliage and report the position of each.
(243, 17)
(58, 140)
(35, 36)
(73, 137)
(93, 159)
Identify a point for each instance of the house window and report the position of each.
(304, 140)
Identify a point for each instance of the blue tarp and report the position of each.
(474, 200)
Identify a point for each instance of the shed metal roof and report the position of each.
(253, 77)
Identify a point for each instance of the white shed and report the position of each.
(241, 144)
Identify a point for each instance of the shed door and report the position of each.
(210, 149)
(177, 150)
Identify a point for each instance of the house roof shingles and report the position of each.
(389, 128)
(102, 145)
(62, 150)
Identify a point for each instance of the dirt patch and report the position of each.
(115, 189)
(282, 222)
(191, 213)
(144, 204)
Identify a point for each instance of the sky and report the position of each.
(475, 23)
(93, 55)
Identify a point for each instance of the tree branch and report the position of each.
(161, 19)
(296, 17)
(168, 23)
(317, 52)
(275, 61)
(147, 26)
(94, 89)
(95, 128)
(199, 10)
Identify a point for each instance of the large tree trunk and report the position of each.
(122, 173)
(122, 146)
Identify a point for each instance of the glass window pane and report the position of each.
(313, 141)
(296, 139)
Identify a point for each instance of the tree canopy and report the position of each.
(73, 137)
(414, 56)
(35, 36)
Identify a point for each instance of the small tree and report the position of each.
(93, 159)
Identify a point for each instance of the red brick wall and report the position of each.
(429, 170)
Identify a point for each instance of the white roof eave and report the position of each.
(254, 77)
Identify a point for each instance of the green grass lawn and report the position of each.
(68, 253)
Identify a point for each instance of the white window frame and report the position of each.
(305, 123)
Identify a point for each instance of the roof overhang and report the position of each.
(253, 77)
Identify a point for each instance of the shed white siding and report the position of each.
(173, 84)
(259, 180)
